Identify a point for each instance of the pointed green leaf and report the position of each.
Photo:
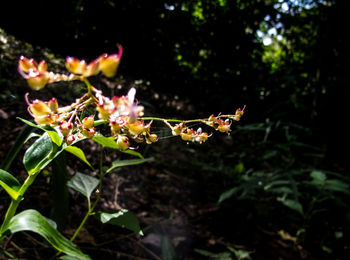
(106, 141)
(228, 194)
(134, 153)
(122, 218)
(32, 220)
(121, 163)
(78, 153)
(292, 204)
(318, 177)
(55, 136)
(337, 185)
(10, 184)
(83, 183)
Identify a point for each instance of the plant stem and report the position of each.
(89, 87)
(92, 207)
(11, 211)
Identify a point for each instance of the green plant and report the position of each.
(63, 127)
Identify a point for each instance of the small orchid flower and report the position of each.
(109, 64)
(36, 75)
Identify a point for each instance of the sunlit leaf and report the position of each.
(55, 136)
(10, 184)
(78, 153)
(83, 183)
(106, 141)
(122, 218)
(32, 220)
(121, 163)
(39, 154)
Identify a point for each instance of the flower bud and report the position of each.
(65, 127)
(151, 138)
(70, 139)
(116, 125)
(202, 137)
(123, 142)
(89, 132)
(88, 122)
(187, 135)
(224, 126)
(136, 128)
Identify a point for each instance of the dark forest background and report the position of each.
(285, 165)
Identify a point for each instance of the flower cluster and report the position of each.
(37, 75)
(123, 114)
(219, 123)
(188, 134)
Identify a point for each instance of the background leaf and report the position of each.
(32, 220)
(20, 140)
(83, 183)
(122, 218)
(168, 250)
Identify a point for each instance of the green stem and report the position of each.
(92, 207)
(11, 211)
(89, 87)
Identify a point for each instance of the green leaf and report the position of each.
(106, 141)
(168, 250)
(39, 154)
(78, 153)
(337, 185)
(292, 204)
(132, 152)
(121, 163)
(122, 218)
(228, 194)
(10, 184)
(20, 140)
(32, 220)
(83, 183)
(318, 176)
(55, 136)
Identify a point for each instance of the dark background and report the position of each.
(205, 56)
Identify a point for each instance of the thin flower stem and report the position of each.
(92, 207)
(89, 86)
